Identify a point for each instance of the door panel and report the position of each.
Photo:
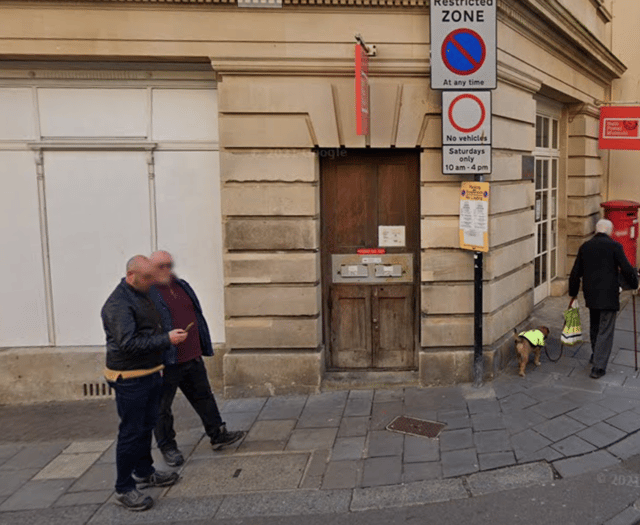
(370, 325)
(393, 332)
(351, 310)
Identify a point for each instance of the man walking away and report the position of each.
(599, 263)
(135, 342)
(179, 307)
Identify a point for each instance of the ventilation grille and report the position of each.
(97, 390)
(415, 427)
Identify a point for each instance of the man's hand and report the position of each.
(177, 336)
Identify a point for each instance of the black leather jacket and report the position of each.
(135, 338)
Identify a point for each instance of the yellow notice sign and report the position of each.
(474, 216)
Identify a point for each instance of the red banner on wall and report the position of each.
(620, 127)
(362, 91)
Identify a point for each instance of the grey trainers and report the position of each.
(173, 457)
(134, 500)
(157, 479)
(225, 438)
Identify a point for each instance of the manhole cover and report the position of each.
(415, 427)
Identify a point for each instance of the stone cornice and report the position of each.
(553, 26)
(333, 3)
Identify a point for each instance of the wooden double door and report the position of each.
(372, 325)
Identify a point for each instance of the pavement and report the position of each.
(331, 455)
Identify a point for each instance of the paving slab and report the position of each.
(591, 414)
(628, 421)
(80, 447)
(544, 392)
(619, 403)
(509, 478)
(342, 474)
(419, 493)
(504, 387)
(385, 443)
(421, 471)
(388, 395)
(271, 430)
(286, 407)
(251, 404)
(240, 420)
(517, 401)
(93, 497)
(559, 428)
(573, 446)
(51, 516)
(481, 422)
(492, 441)
(12, 480)
(420, 449)
(601, 434)
(163, 511)
(252, 447)
(9, 450)
(456, 439)
(351, 448)
(516, 422)
(544, 454)
(36, 495)
(239, 474)
(354, 426)
(382, 471)
(359, 404)
(68, 466)
(383, 413)
(580, 382)
(483, 406)
(528, 442)
(296, 503)
(101, 476)
(320, 418)
(627, 447)
(34, 456)
(551, 409)
(312, 439)
(459, 462)
(495, 460)
(587, 463)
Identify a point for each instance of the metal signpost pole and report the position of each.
(478, 362)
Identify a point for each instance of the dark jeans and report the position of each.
(603, 325)
(191, 378)
(138, 403)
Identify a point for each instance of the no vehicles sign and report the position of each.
(466, 132)
(463, 44)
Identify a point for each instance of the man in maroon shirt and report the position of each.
(179, 307)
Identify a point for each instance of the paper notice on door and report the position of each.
(389, 236)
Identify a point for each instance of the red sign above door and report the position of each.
(371, 251)
(620, 127)
(362, 91)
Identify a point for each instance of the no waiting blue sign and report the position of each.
(463, 44)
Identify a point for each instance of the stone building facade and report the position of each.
(281, 81)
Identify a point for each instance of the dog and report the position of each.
(525, 344)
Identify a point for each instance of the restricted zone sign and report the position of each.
(463, 44)
(620, 127)
(466, 132)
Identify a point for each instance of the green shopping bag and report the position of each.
(572, 330)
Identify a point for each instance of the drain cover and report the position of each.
(415, 427)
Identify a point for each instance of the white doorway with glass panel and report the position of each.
(547, 165)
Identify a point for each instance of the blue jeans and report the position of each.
(138, 404)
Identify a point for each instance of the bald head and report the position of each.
(162, 262)
(140, 273)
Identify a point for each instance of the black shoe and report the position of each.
(597, 373)
(225, 438)
(134, 500)
(158, 479)
(173, 457)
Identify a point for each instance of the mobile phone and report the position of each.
(188, 327)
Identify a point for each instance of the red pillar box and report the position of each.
(624, 216)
